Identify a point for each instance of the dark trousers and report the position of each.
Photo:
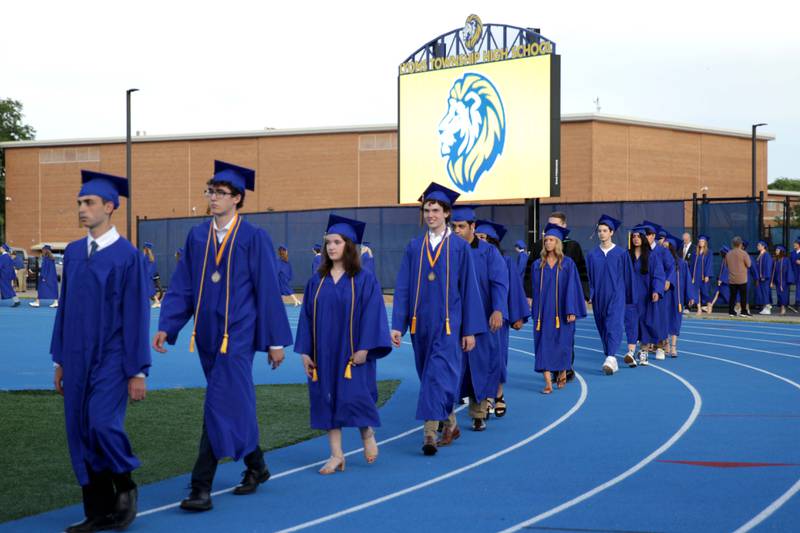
(100, 495)
(206, 465)
(741, 291)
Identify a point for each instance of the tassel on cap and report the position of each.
(191, 343)
(224, 348)
(413, 325)
(314, 377)
(558, 323)
(348, 374)
(447, 325)
(539, 325)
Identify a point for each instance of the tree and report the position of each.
(785, 184)
(11, 129)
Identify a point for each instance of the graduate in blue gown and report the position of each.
(654, 325)
(343, 330)
(367, 259)
(518, 309)
(482, 365)
(7, 276)
(648, 279)
(611, 288)
(100, 349)
(723, 294)
(681, 295)
(761, 271)
(521, 262)
(794, 259)
(658, 315)
(557, 301)
(227, 280)
(152, 274)
(782, 277)
(437, 298)
(317, 249)
(701, 270)
(47, 281)
(285, 274)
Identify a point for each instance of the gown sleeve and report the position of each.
(177, 306)
(657, 276)
(498, 282)
(373, 323)
(136, 317)
(402, 289)
(574, 304)
(303, 342)
(272, 324)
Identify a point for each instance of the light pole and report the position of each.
(128, 159)
(753, 142)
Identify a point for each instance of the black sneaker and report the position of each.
(478, 424)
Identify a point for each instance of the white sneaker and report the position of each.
(660, 355)
(643, 358)
(34, 304)
(610, 365)
(54, 304)
(766, 311)
(155, 305)
(630, 360)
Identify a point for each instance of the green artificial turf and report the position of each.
(164, 430)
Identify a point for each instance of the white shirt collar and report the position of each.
(606, 250)
(103, 241)
(436, 239)
(223, 230)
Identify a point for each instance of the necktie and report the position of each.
(94, 248)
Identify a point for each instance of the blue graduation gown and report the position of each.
(518, 309)
(650, 331)
(482, 366)
(761, 272)
(315, 263)
(611, 288)
(645, 285)
(553, 345)
(794, 257)
(678, 295)
(7, 276)
(100, 339)
(522, 263)
(256, 320)
(152, 272)
(285, 277)
(368, 262)
(47, 287)
(782, 277)
(702, 268)
(438, 355)
(338, 402)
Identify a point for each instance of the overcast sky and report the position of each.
(234, 65)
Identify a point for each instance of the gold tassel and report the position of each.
(224, 348)
(539, 325)
(348, 374)
(191, 343)
(680, 308)
(447, 325)
(558, 323)
(413, 325)
(314, 377)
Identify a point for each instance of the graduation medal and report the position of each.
(220, 249)
(215, 277)
(432, 276)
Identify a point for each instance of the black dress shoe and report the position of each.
(570, 376)
(251, 480)
(198, 500)
(96, 523)
(125, 509)
(478, 424)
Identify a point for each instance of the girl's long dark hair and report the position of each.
(350, 258)
(644, 255)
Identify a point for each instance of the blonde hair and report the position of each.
(559, 251)
(149, 254)
(283, 254)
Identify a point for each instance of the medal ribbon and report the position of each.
(220, 250)
(432, 260)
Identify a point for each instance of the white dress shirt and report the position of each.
(435, 239)
(606, 250)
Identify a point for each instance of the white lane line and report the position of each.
(737, 338)
(775, 505)
(297, 469)
(741, 348)
(748, 323)
(578, 404)
(715, 327)
(698, 402)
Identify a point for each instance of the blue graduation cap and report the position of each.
(365, 243)
(655, 226)
(703, 238)
(744, 244)
(47, 247)
(780, 248)
(282, 247)
(317, 247)
(763, 243)
(106, 186)
(6, 248)
(148, 245)
(642, 229)
(724, 250)
(797, 240)
(520, 244)
(346, 227)
(492, 229)
(554, 230)
(673, 240)
(439, 192)
(609, 221)
(240, 177)
(463, 213)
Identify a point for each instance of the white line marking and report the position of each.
(729, 337)
(452, 473)
(698, 402)
(743, 348)
(775, 505)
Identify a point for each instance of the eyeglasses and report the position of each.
(216, 193)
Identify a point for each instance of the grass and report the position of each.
(164, 430)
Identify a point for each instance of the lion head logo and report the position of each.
(473, 131)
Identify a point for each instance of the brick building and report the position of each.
(603, 158)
